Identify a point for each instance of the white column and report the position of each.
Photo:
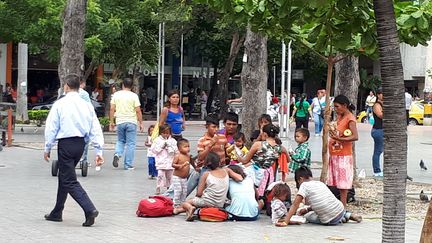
(159, 75)
(3, 55)
(21, 110)
(288, 85)
(427, 119)
(282, 124)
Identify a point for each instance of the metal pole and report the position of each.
(181, 69)
(289, 82)
(163, 67)
(158, 77)
(274, 78)
(282, 122)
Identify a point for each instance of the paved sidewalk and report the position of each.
(28, 191)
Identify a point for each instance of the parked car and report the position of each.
(98, 106)
(415, 115)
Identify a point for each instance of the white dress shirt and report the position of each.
(71, 116)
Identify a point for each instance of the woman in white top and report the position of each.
(318, 106)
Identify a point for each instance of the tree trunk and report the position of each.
(327, 118)
(92, 66)
(395, 136)
(72, 40)
(347, 81)
(225, 73)
(21, 109)
(254, 80)
(426, 235)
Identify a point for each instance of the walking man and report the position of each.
(72, 122)
(86, 97)
(125, 107)
(408, 103)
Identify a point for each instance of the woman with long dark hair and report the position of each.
(301, 112)
(342, 134)
(377, 134)
(173, 114)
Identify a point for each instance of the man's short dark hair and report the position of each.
(73, 81)
(231, 116)
(127, 83)
(212, 120)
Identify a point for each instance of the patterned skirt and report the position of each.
(341, 171)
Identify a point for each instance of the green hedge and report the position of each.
(104, 121)
(38, 115)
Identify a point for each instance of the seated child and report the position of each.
(239, 140)
(164, 148)
(181, 171)
(302, 154)
(323, 207)
(212, 188)
(281, 191)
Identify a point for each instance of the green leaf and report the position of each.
(238, 8)
(417, 14)
(422, 23)
(261, 6)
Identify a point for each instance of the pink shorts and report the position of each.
(341, 171)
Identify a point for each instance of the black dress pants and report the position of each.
(69, 154)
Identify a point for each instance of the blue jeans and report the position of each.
(319, 123)
(126, 135)
(378, 137)
(152, 166)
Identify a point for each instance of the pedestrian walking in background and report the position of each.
(72, 122)
(318, 108)
(125, 108)
(370, 101)
(302, 112)
(408, 103)
(203, 101)
(191, 101)
(173, 114)
(377, 134)
(342, 135)
(86, 97)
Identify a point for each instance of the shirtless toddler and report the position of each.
(181, 171)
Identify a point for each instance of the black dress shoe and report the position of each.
(51, 218)
(90, 218)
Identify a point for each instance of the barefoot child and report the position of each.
(302, 154)
(164, 147)
(281, 192)
(239, 141)
(181, 172)
(150, 156)
(213, 187)
(323, 207)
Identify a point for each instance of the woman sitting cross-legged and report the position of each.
(212, 188)
(243, 195)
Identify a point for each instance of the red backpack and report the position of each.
(212, 214)
(155, 206)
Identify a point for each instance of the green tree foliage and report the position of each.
(117, 31)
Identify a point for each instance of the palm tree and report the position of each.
(395, 137)
(426, 235)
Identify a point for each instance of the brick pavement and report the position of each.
(28, 191)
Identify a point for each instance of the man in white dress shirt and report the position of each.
(72, 122)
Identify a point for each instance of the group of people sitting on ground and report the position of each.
(243, 181)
